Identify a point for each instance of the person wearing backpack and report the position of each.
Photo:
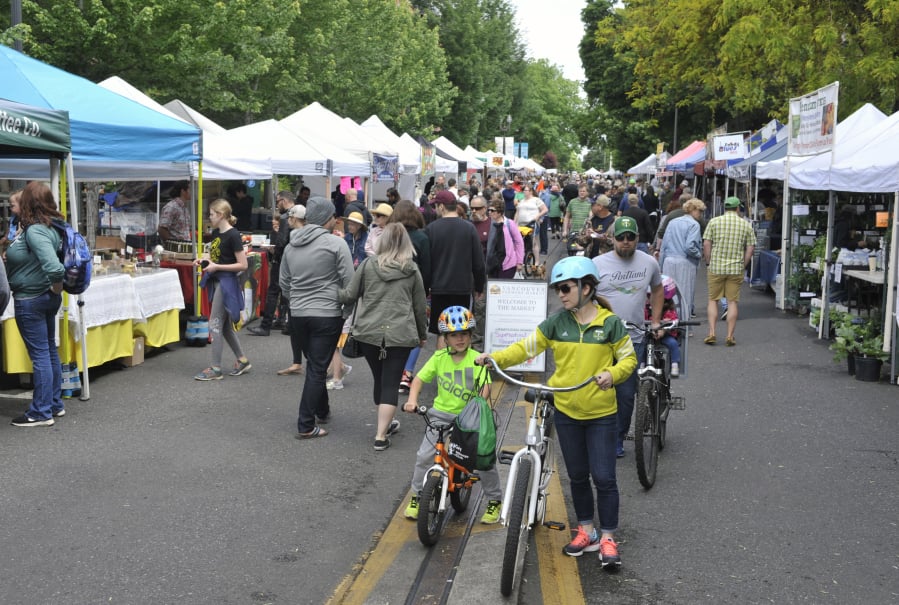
(36, 278)
(457, 378)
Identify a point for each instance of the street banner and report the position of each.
(813, 120)
(428, 158)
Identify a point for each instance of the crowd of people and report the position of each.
(399, 271)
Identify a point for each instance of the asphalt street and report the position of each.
(778, 484)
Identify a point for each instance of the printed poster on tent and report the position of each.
(514, 308)
(386, 167)
(813, 120)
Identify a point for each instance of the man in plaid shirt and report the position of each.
(727, 248)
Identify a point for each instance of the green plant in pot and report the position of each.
(849, 332)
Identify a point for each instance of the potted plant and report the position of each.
(849, 331)
(870, 356)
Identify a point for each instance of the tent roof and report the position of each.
(191, 115)
(317, 123)
(114, 133)
(410, 154)
(647, 166)
(222, 160)
(32, 132)
(687, 157)
(444, 144)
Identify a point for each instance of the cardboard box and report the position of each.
(137, 354)
(109, 242)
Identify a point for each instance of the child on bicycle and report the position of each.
(669, 313)
(587, 339)
(457, 378)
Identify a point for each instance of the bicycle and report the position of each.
(531, 469)
(654, 400)
(444, 478)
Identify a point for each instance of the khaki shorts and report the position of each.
(725, 286)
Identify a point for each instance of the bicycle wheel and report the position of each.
(460, 496)
(517, 524)
(429, 516)
(530, 265)
(646, 435)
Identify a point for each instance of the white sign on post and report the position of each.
(514, 309)
(813, 120)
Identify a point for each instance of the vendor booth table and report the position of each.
(117, 308)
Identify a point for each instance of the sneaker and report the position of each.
(619, 449)
(491, 515)
(347, 368)
(59, 413)
(393, 428)
(675, 370)
(608, 554)
(381, 444)
(209, 374)
(405, 382)
(582, 542)
(412, 509)
(334, 385)
(258, 331)
(24, 420)
(240, 367)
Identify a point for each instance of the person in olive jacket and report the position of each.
(390, 320)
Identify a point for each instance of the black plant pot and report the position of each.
(850, 361)
(867, 369)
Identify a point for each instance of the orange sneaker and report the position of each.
(582, 542)
(608, 554)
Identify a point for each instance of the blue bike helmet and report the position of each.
(455, 319)
(573, 267)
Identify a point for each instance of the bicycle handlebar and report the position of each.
(669, 324)
(534, 385)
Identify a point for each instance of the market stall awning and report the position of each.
(33, 132)
(687, 157)
(647, 166)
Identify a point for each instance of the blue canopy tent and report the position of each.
(686, 158)
(111, 137)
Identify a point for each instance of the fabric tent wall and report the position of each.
(33, 132)
(112, 137)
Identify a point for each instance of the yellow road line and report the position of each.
(559, 576)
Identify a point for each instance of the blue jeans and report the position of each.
(625, 393)
(36, 320)
(588, 448)
(318, 338)
(673, 347)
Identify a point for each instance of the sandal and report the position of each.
(294, 369)
(316, 432)
(710, 340)
(730, 341)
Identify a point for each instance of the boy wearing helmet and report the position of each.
(587, 339)
(457, 380)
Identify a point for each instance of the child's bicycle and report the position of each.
(654, 400)
(531, 469)
(530, 262)
(444, 478)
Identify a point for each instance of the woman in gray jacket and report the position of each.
(391, 319)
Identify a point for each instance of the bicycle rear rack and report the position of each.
(678, 403)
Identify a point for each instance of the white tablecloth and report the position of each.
(157, 292)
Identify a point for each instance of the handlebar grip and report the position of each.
(689, 323)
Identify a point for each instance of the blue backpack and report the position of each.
(75, 256)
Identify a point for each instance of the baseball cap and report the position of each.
(732, 202)
(625, 224)
(297, 211)
(443, 197)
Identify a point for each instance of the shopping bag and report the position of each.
(473, 439)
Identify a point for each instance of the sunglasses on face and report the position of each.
(626, 236)
(478, 207)
(563, 288)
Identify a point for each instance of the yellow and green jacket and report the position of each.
(579, 351)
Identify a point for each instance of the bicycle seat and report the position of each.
(531, 394)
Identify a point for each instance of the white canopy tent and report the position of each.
(448, 147)
(647, 166)
(410, 157)
(189, 114)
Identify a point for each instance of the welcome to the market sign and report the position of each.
(27, 131)
(813, 120)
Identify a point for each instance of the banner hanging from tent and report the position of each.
(728, 147)
(385, 167)
(27, 131)
(813, 120)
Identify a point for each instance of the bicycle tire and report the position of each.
(530, 265)
(430, 519)
(517, 532)
(461, 494)
(663, 429)
(646, 435)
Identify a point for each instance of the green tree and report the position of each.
(549, 107)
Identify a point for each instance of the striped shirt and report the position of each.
(579, 210)
(730, 236)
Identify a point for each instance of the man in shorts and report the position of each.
(727, 246)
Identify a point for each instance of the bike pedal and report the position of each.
(678, 403)
(556, 525)
(505, 457)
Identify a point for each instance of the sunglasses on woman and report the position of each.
(563, 288)
(626, 236)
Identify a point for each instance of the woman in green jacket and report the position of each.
(391, 319)
(587, 339)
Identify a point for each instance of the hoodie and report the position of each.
(315, 265)
(392, 308)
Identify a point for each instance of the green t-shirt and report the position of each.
(580, 211)
(456, 382)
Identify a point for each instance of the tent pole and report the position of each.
(198, 224)
(824, 322)
(82, 330)
(785, 236)
(889, 335)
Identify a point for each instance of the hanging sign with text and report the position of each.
(514, 308)
(813, 121)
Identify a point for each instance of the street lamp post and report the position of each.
(504, 127)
